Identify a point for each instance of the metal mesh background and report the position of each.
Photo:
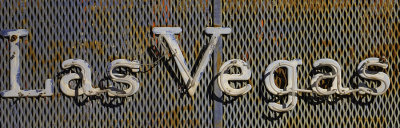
(263, 31)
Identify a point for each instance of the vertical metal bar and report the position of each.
(218, 109)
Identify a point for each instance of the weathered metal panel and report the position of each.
(263, 31)
(345, 31)
(99, 32)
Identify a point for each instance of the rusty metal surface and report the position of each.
(263, 31)
(346, 31)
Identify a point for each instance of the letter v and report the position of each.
(168, 34)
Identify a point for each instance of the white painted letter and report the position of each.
(168, 34)
(85, 76)
(291, 88)
(132, 81)
(335, 74)
(374, 75)
(15, 79)
(223, 79)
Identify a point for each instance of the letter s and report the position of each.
(132, 81)
(373, 75)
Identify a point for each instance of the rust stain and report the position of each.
(219, 60)
(280, 78)
(274, 40)
(19, 4)
(253, 86)
(197, 46)
(184, 53)
(171, 118)
(262, 23)
(247, 56)
(25, 42)
(154, 35)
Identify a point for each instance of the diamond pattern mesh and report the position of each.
(346, 31)
(263, 31)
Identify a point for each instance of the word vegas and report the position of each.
(192, 81)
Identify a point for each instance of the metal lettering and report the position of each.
(168, 34)
(335, 74)
(132, 81)
(291, 88)
(374, 75)
(223, 79)
(85, 76)
(15, 74)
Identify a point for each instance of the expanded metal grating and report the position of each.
(263, 31)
